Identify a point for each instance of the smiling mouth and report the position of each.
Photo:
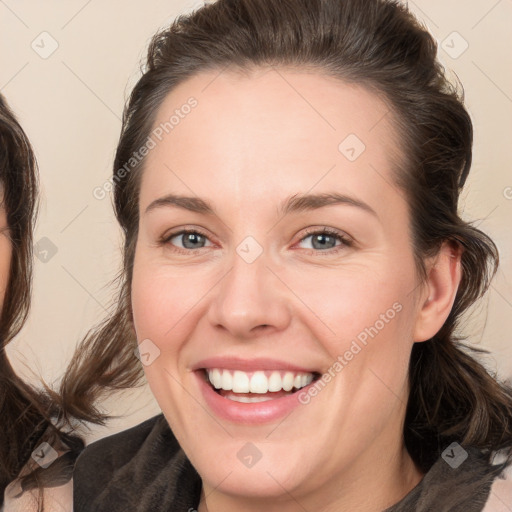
(257, 386)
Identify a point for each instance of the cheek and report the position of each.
(167, 305)
(364, 320)
(5, 262)
(162, 301)
(355, 303)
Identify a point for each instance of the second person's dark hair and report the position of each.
(26, 412)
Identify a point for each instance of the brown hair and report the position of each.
(25, 412)
(377, 44)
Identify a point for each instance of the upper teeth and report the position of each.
(257, 382)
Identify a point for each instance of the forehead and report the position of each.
(264, 131)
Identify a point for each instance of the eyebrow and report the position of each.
(294, 204)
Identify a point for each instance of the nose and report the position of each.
(250, 300)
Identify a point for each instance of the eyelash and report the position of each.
(345, 241)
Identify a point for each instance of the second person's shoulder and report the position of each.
(103, 459)
(143, 465)
(117, 449)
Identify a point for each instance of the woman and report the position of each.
(304, 353)
(29, 438)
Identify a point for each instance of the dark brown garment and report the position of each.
(144, 469)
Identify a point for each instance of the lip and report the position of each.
(249, 365)
(248, 413)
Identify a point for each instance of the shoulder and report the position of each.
(113, 451)
(500, 495)
(56, 485)
(144, 465)
(56, 499)
(462, 479)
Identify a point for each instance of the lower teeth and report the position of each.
(248, 399)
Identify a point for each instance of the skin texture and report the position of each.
(56, 499)
(251, 143)
(5, 251)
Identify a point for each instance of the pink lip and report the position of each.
(248, 413)
(248, 365)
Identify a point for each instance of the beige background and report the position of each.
(70, 104)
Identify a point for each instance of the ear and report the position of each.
(439, 291)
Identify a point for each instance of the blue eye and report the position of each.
(323, 241)
(191, 240)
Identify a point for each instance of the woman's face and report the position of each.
(5, 250)
(258, 298)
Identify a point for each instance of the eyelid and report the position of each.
(170, 233)
(316, 230)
